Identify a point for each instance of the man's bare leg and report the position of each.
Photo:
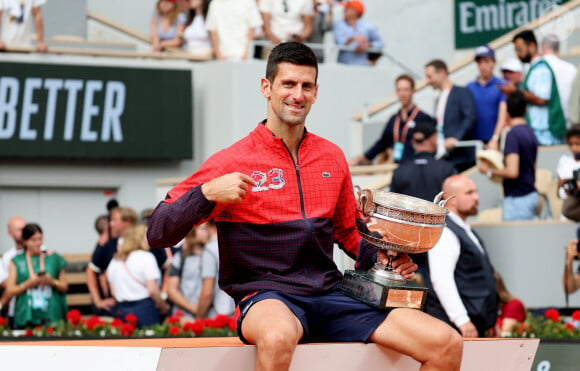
(428, 340)
(275, 330)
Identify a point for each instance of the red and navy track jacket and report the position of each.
(280, 237)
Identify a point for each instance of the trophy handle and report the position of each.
(364, 202)
(439, 200)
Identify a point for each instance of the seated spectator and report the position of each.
(489, 100)
(16, 28)
(184, 281)
(212, 299)
(512, 71)
(357, 34)
(287, 20)
(38, 281)
(423, 175)
(571, 279)
(569, 175)
(456, 116)
(520, 199)
(395, 142)
(196, 37)
(134, 277)
(512, 311)
(167, 26)
(231, 25)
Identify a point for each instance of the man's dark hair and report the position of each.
(407, 78)
(516, 104)
(101, 223)
(574, 131)
(293, 53)
(30, 230)
(438, 64)
(527, 36)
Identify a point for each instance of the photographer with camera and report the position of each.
(569, 175)
(571, 279)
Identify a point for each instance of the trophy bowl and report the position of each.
(394, 223)
(405, 224)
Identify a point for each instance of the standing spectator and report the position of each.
(167, 26)
(423, 175)
(15, 226)
(17, 17)
(322, 23)
(564, 72)
(357, 34)
(544, 113)
(568, 166)
(287, 20)
(102, 228)
(489, 100)
(512, 71)
(460, 272)
(276, 237)
(456, 116)
(231, 25)
(212, 299)
(134, 277)
(196, 37)
(121, 219)
(38, 281)
(184, 281)
(574, 105)
(520, 198)
(395, 142)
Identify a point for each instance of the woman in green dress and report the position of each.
(37, 279)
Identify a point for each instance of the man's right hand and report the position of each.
(105, 304)
(227, 189)
(468, 330)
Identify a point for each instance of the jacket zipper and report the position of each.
(302, 208)
(297, 168)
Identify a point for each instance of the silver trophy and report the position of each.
(395, 223)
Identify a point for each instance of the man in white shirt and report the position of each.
(460, 272)
(231, 25)
(564, 72)
(17, 17)
(287, 20)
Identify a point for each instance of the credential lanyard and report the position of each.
(29, 263)
(406, 127)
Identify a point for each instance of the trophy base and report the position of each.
(383, 293)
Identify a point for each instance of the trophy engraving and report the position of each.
(395, 223)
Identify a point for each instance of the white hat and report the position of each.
(494, 159)
(512, 64)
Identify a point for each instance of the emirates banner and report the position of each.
(89, 112)
(478, 22)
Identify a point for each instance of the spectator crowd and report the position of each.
(124, 275)
(535, 103)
